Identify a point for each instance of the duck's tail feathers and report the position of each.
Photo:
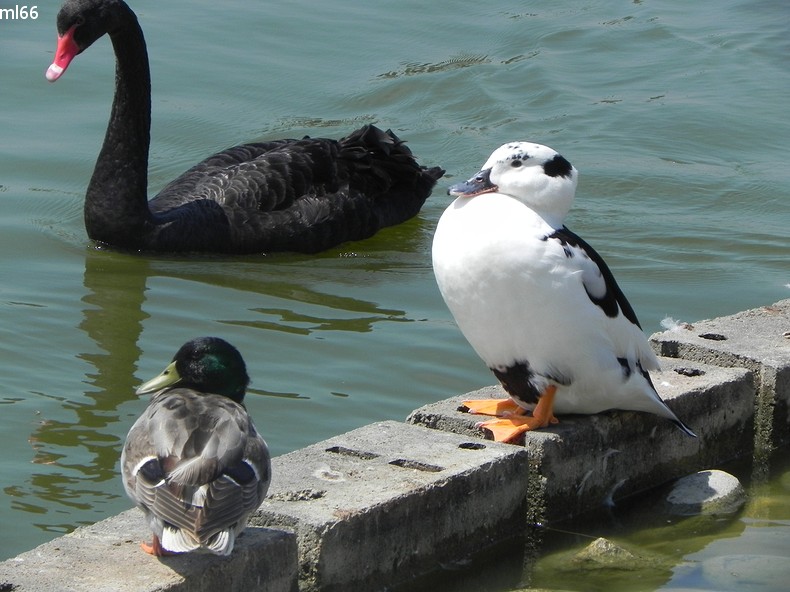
(177, 540)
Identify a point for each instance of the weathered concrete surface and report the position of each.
(585, 462)
(757, 339)
(107, 557)
(390, 501)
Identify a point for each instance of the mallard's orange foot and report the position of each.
(495, 407)
(155, 548)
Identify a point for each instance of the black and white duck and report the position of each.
(537, 303)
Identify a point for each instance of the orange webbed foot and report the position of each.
(495, 407)
(508, 429)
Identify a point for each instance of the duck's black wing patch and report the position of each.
(600, 285)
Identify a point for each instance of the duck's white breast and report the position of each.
(505, 284)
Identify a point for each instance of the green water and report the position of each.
(747, 550)
(673, 112)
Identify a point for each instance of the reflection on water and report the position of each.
(66, 482)
(81, 452)
(302, 324)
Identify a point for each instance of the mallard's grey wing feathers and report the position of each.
(197, 467)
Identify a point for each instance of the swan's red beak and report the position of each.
(67, 49)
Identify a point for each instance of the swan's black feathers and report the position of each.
(300, 195)
(182, 189)
(288, 195)
(258, 177)
(599, 282)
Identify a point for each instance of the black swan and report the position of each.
(286, 195)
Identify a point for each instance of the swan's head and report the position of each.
(80, 23)
(534, 174)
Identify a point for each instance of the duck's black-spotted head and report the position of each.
(206, 364)
(533, 174)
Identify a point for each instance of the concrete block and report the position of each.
(107, 557)
(585, 462)
(388, 502)
(757, 339)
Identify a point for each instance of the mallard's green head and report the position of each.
(206, 364)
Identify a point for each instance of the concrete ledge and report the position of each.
(757, 339)
(390, 501)
(381, 505)
(107, 556)
(586, 461)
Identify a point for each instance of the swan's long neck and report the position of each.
(116, 202)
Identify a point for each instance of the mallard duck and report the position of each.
(536, 302)
(302, 195)
(194, 462)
